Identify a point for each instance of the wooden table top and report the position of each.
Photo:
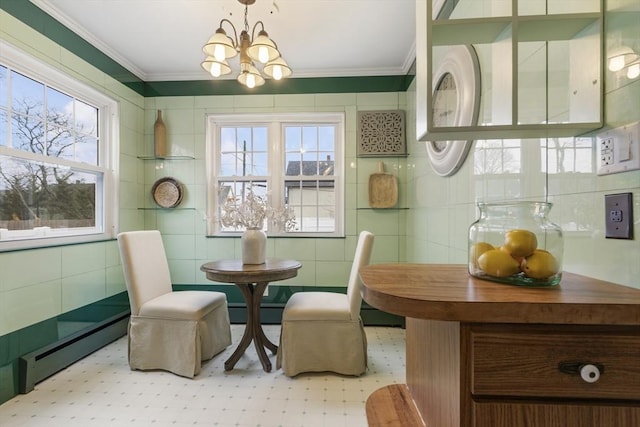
(448, 292)
(234, 271)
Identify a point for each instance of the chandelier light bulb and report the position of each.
(633, 71)
(277, 69)
(263, 54)
(218, 52)
(277, 72)
(251, 81)
(215, 69)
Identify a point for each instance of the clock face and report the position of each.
(455, 102)
(445, 101)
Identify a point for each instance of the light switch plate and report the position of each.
(618, 213)
(619, 149)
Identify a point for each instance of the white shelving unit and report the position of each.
(541, 68)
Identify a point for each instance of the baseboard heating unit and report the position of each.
(46, 361)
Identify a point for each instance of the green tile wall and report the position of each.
(442, 209)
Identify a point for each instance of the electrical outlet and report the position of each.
(618, 216)
(606, 152)
(619, 149)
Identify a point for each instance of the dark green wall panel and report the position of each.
(272, 87)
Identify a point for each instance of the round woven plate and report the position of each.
(167, 192)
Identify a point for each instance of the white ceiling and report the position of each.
(160, 40)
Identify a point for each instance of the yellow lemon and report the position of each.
(498, 263)
(506, 250)
(520, 243)
(540, 265)
(477, 250)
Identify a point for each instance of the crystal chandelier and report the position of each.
(261, 49)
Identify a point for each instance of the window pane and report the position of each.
(87, 149)
(314, 205)
(228, 164)
(325, 165)
(260, 143)
(27, 95)
(293, 138)
(327, 135)
(227, 140)
(3, 128)
(27, 133)
(244, 139)
(232, 194)
(310, 138)
(293, 164)
(309, 194)
(260, 164)
(309, 218)
(3, 86)
(40, 195)
(243, 151)
(59, 107)
(59, 143)
(86, 118)
(310, 164)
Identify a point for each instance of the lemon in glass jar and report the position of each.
(520, 243)
(477, 250)
(539, 265)
(498, 263)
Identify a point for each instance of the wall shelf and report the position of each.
(166, 158)
(445, 32)
(166, 209)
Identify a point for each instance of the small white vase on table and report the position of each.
(250, 214)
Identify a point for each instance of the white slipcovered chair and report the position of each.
(323, 331)
(172, 331)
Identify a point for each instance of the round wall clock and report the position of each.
(456, 100)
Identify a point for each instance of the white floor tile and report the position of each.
(101, 390)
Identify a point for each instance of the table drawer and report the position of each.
(539, 362)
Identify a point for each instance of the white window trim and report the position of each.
(274, 121)
(107, 196)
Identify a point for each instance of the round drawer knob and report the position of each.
(590, 373)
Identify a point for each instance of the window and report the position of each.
(57, 149)
(291, 160)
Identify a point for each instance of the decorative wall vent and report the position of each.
(381, 133)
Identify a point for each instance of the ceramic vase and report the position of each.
(159, 137)
(254, 246)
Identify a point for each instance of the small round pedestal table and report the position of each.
(252, 280)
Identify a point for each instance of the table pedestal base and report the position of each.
(253, 332)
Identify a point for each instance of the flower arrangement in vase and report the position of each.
(250, 214)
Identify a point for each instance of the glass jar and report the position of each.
(515, 243)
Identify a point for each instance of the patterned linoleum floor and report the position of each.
(101, 390)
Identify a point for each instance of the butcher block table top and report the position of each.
(448, 292)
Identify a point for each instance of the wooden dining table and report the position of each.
(252, 280)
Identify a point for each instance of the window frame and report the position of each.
(106, 171)
(275, 123)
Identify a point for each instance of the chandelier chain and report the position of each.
(246, 19)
